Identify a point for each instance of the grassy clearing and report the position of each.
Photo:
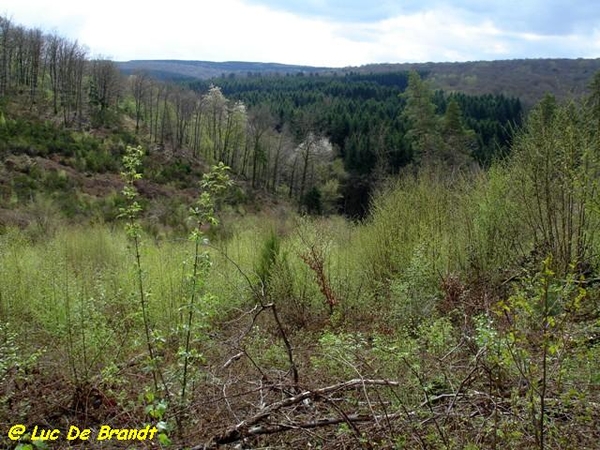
(73, 297)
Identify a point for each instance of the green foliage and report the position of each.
(132, 160)
(268, 258)
(554, 172)
(341, 354)
(267, 353)
(176, 172)
(203, 213)
(459, 142)
(532, 345)
(420, 213)
(14, 361)
(497, 236)
(415, 293)
(213, 184)
(360, 114)
(365, 118)
(420, 112)
(311, 201)
(80, 280)
(330, 196)
(37, 138)
(156, 409)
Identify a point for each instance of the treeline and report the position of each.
(322, 140)
(47, 72)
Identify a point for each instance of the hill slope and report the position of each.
(177, 69)
(528, 79)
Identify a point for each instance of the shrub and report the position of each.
(553, 177)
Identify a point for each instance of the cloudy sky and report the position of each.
(333, 33)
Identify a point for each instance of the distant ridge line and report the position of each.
(528, 79)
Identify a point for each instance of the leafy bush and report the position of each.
(553, 177)
(415, 293)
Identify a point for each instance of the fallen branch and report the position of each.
(249, 426)
(326, 421)
(439, 406)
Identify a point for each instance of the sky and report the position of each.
(328, 33)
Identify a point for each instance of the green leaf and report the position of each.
(164, 439)
(24, 447)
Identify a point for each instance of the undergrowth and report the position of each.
(448, 319)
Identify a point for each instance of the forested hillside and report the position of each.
(526, 79)
(193, 70)
(324, 142)
(331, 261)
(365, 119)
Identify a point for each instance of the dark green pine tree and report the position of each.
(458, 141)
(423, 125)
(594, 100)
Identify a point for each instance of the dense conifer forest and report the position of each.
(292, 260)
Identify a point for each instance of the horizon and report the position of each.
(362, 65)
(324, 33)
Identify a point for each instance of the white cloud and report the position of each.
(224, 30)
(436, 35)
(236, 30)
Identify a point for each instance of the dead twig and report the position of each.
(249, 427)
